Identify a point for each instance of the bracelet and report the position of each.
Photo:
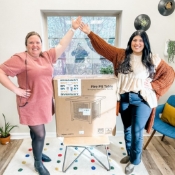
(73, 30)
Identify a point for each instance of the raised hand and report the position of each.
(76, 23)
(85, 28)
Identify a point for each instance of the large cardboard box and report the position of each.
(85, 105)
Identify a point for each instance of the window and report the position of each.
(80, 57)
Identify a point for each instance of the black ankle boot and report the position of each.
(40, 168)
(45, 158)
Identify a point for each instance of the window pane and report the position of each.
(80, 57)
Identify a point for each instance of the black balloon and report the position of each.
(166, 7)
(142, 22)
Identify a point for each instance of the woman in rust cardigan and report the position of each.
(142, 79)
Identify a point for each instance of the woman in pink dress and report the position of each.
(33, 69)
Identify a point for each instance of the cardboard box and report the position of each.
(85, 105)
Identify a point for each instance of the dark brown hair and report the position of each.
(31, 34)
(147, 61)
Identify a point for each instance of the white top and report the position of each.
(134, 81)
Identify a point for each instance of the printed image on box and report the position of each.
(91, 114)
(69, 87)
(85, 108)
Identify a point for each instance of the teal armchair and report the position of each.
(160, 126)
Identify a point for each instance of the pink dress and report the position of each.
(39, 81)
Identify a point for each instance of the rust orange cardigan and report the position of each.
(163, 78)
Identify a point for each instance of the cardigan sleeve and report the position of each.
(163, 79)
(103, 48)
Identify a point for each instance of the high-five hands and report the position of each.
(76, 23)
(85, 28)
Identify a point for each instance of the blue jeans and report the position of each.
(134, 112)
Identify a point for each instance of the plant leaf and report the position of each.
(4, 132)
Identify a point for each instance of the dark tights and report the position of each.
(37, 134)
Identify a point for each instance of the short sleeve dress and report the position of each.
(34, 74)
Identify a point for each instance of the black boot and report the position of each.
(40, 168)
(45, 158)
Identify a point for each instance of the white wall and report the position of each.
(19, 17)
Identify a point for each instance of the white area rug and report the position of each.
(22, 162)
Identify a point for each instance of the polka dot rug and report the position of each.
(86, 164)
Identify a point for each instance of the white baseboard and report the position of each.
(53, 134)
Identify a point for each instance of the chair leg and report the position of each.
(162, 137)
(149, 139)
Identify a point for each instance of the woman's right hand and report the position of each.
(85, 28)
(6, 82)
(22, 92)
(76, 23)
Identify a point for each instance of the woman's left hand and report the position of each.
(76, 23)
(147, 83)
(85, 28)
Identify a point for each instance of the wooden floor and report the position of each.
(158, 158)
(7, 152)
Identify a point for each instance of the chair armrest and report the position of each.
(159, 110)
